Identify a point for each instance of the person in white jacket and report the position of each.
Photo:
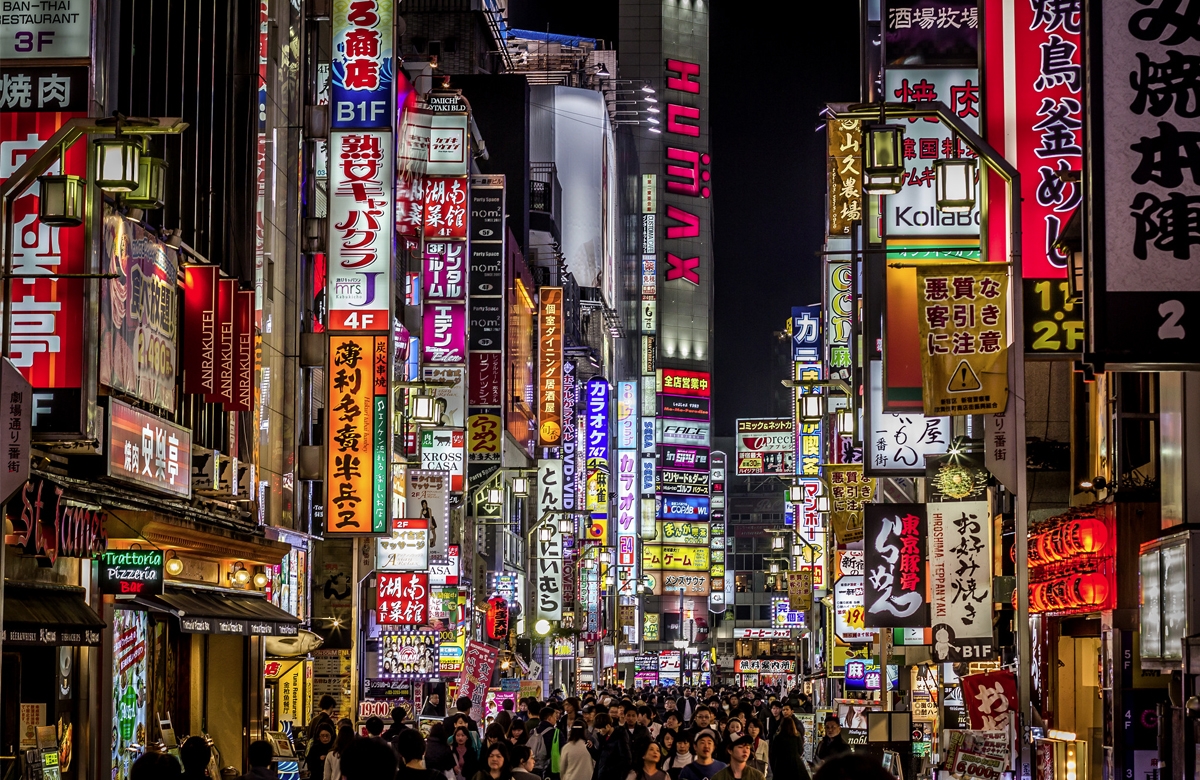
(760, 747)
(574, 759)
(333, 759)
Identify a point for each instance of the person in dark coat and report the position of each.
(437, 749)
(320, 746)
(832, 744)
(614, 757)
(785, 756)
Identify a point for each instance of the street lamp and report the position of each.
(151, 191)
(495, 496)
(795, 494)
(425, 409)
(520, 487)
(566, 525)
(955, 184)
(810, 406)
(118, 163)
(545, 534)
(542, 627)
(883, 159)
(61, 200)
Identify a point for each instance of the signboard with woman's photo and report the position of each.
(428, 499)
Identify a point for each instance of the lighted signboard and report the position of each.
(668, 557)
(445, 271)
(444, 332)
(402, 599)
(131, 573)
(765, 446)
(357, 483)
(674, 533)
(361, 201)
(444, 449)
(148, 451)
(427, 497)
(406, 549)
(783, 616)
(361, 82)
(684, 507)
(596, 455)
(679, 382)
(627, 397)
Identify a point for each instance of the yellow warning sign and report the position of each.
(962, 313)
(963, 379)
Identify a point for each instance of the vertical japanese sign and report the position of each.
(962, 312)
(991, 700)
(361, 202)
(849, 492)
(839, 317)
(716, 533)
(444, 332)
(811, 534)
(427, 497)
(627, 518)
(48, 323)
(402, 599)
(362, 69)
(550, 368)
(1145, 284)
(894, 548)
(445, 271)
(960, 579)
(356, 435)
(445, 209)
(844, 138)
(485, 322)
(914, 212)
(548, 586)
(596, 457)
(570, 437)
(807, 345)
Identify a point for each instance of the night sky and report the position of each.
(768, 169)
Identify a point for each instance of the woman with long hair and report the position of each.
(786, 751)
(516, 732)
(464, 753)
(574, 759)
(495, 764)
(666, 741)
(333, 759)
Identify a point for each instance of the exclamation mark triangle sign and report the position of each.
(963, 379)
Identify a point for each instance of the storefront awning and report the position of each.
(217, 612)
(47, 615)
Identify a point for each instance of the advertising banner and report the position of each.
(685, 433)
(934, 32)
(130, 662)
(550, 366)
(991, 700)
(435, 143)
(839, 316)
(406, 549)
(800, 590)
(672, 583)
(445, 271)
(549, 552)
(683, 483)
(200, 328)
(683, 458)
(671, 533)
(444, 449)
(357, 489)
(961, 313)
(849, 492)
(766, 446)
(684, 507)
(627, 415)
(148, 451)
(848, 611)
(137, 313)
(810, 532)
(668, 557)
(914, 211)
(445, 207)
(627, 494)
(361, 202)
(402, 599)
(455, 395)
(427, 497)
(477, 670)
(596, 456)
(895, 558)
(683, 407)
(444, 329)
(960, 573)
(691, 383)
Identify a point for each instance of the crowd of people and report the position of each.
(605, 735)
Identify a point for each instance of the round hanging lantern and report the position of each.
(1085, 536)
(497, 618)
(1090, 589)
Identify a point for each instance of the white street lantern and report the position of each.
(795, 494)
(883, 160)
(425, 409)
(118, 161)
(520, 486)
(495, 496)
(566, 525)
(810, 406)
(955, 184)
(61, 200)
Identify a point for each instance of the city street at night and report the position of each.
(614, 390)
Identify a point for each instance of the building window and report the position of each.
(743, 583)
(764, 611)
(741, 612)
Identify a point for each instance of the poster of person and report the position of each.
(428, 499)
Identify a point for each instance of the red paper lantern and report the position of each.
(1090, 589)
(496, 621)
(1086, 536)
